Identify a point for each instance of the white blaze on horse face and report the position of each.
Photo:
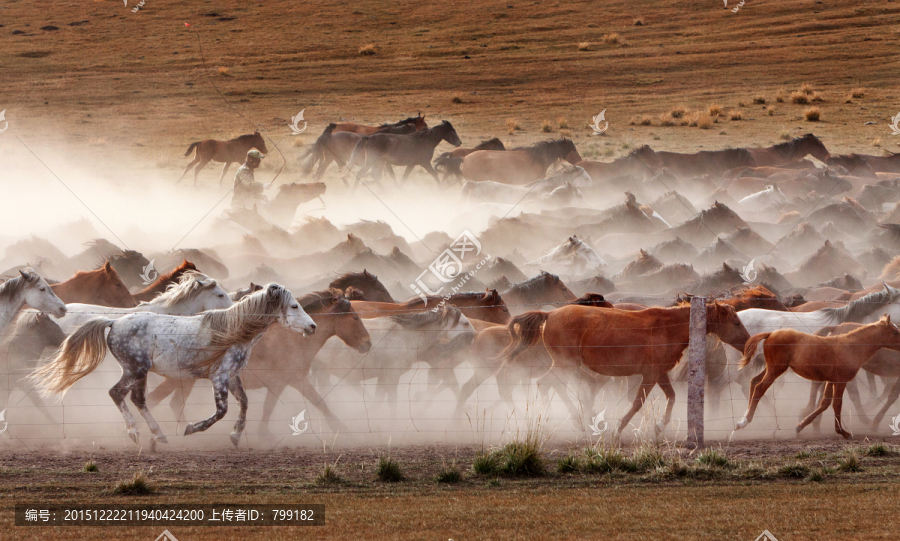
(41, 297)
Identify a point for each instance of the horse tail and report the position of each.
(191, 148)
(360, 148)
(79, 355)
(448, 163)
(750, 348)
(524, 331)
(316, 152)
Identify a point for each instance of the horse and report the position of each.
(436, 338)
(403, 150)
(574, 257)
(283, 206)
(518, 165)
(282, 358)
(579, 337)
(242, 292)
(795, 149)
(832, 359)
(102, 286)
(332, 147)
(163, 281)
(194, 293)
(487, 306)
(640, 163)
(129, 265)
(413, 123)
(213, 345)
(545, 288)
(27, 288)
(231, 151)
(705, 162)
(363, 281)
(450, 162)
(867, 165)
(487, 362)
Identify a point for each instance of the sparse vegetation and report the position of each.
(795, 470)
(735, 115)
(704, 121)
(715, 109)
(857, 93)
(679, 111)
(546, 126)
(329, 475)
(512, 125)
(785, 136)
(779, 96)
(850, 462)
(880, 449)
(388, 470)
(584, 46)
(90, 466)
(136, 486)
(224, 72)
(367, 49)
(813, 114)
(562, 123)
(612, 39)
(759, 100)
(665, 119)
(799, 98)
(457, 98)
(770, 110)
(713, 458)
(449, 474)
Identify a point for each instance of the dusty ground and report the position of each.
(738, 502)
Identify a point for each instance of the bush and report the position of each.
(515, 459)
(713, 458)
(90, 466)
(813, 114)
(449, 474)
(138, 485)
(388, 470)
(795, 470)
(329, 476)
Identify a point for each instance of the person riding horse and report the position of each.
(246, 190)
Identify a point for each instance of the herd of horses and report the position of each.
(577, 292)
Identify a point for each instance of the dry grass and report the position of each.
(665, 119)
(857, 93)
(704, 121)
(742, 103)
(770, 110)
(367, 49)
(546, 126)
(799, 98)
(759, 100)
(562, 122)
(807, 88)
(641, 120)
(613, 39)
(813, 114)
(584, 46)
(779, 96)
(512, 125)
(224, 72)
(678, 112)
(734, 114)
(715, 109)
(457, 98)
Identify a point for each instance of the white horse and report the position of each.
(432, 337)
(572, 257)
(27, 288)
(214, 345)
(194, 293)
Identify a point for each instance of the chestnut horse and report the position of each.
(487, 306)
(519, 165)
(832, 359)
(102, 286)
(794, 149)
(163, 281)
(231, 151)
(417, 123)
(614, 343)
(450, 162)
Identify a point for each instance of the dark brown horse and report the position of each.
(163, 281)
(545, 288)
(487, 306)
(231, 151)
(413, 123)
(863, 164)
(519, 165)
(402, 150)
(705, 162)
(640, 163)
(364, 281)
(450, 162)
(794, 149)
(102, 287)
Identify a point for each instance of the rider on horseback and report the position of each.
(246, 190)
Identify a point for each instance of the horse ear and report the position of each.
(107, 267)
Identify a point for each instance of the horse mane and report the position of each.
(241, 322)
(416, 301)
(11, 288)
(188, 285)
(489, 142)
(543, 149)
(856, 310)
(182, 269)
(418, 320)
(320, 301)
(349, 278)
(536, 284)
(247, 136)
(788, 148)
(590, 299)
(639, 150)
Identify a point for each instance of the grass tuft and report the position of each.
(759, 100)
(224, 72)
(449, 474)
(329, 475)
(799, 98)
(850, 462)
(546, 126)
(713, 458)
(734, 114)
(612, 39)
(367, 49)
(137, 486)
(512, 125)
(457, 98)
(91, 467)
(880, 449)
(795, 470)
(584, 46)
(813, 114)
(388, 470)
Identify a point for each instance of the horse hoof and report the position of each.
(188, 430)
(798, 429)
(235, 439)
(743, 422)
(161, 439)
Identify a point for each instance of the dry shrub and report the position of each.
(641, 120)
(759, 100)
(779, 96)
(224, 72)
(813, 114)
(771, 111)
(806, 88)
(457, 98)
(665, 119)
(735, 115)
(715, 109)
(512, 125)
(857, 92)
(612, 39)
(785, 136)
(584, 46)
(639, 21)
(816, 98)
(704, 121)
(800, 98)
(742, 103)
(679, 111)
(563, 123)
(546, 126)
(367, 49)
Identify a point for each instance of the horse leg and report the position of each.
(815, 388)
(220, 392)
(873, 385)
(431, 171)
(646, 385)
(827, 398)
(669, 391)
(197, 169)
(186, 169)
(224, 170)
(237, 389)
(853, 392)
(893, 394)
(758, 387)
(479, 377)
(406, 173)
(118, 393)
(310, 393)
(836, 404)
(138, 397)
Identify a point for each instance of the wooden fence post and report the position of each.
(696, 373)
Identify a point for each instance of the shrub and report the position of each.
(449, 474)
(90, 466)
(800, 98)
(546, 127)
(713, 458)
(389, 470)
(759, 100)
(138, 485)
(715, 109)
(584, 46)
(813, 114)
(367, 49)
(735, 115)
(612, 39)
(512, 125)
(679, 111)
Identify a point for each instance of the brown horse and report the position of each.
(794, 149)
(413, 123)
(705, 162)
(867, 165)
(282, 358)
(614, 343)
(744, 299)
(385, 149)
(450, 162)
(519, 165)
(364, 281)
(545, 288)
(102, 287)
(487, 361)
(163, 281)
(640, 163)
(487, 306)
(231, 151)
(832, 359)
